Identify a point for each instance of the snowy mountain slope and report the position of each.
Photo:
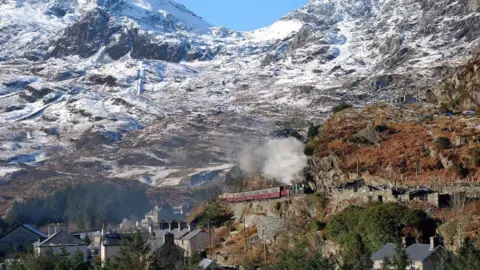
(147, 90)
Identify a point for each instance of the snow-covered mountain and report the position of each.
(147, 90)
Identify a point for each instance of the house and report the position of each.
(193, 241)
(127, 225)
(59, 240)
(158, 213)
(403, 100)
(420, 256)
(110, 247)
(19, 239)
(168, 255)
(157, 233)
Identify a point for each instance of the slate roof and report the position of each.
(191, 234)
(415, 252)
(31, 228)
(60, 238)
(205, 263)
(176, 232)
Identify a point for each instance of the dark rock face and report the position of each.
(83, 38)
(460, 91)
(145, 47)
(287, 133)
(97, 28)
(15, 108)
(117, 47)
(103, 80)
(33, 94)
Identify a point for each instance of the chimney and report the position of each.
(434, 242)
(168, 238)
(55, 227)
(51, 229)
(407, 241)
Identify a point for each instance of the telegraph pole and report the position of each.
(358, 168)
(264, 246)
(245, 234)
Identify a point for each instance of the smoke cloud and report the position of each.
(279, 159)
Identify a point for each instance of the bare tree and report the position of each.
(463, 219)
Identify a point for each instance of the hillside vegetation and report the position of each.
(415, 144)
(89, 206)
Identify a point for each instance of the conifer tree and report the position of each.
(134, 254)
(400, 259)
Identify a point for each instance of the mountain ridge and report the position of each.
(149, 99)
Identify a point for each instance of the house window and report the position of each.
(380, 198)
(412, 265)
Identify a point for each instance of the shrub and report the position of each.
(340, 107)
(381, 128)
(313, 131)
(474, 156)
(277, 205)
(462, 170)
(389, 221)
(309, 149)
(442, 143)
(215, 213)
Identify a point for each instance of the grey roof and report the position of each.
(155, 244)
(176, 232)
(31, 228)
(205, 263)
(191, 234)
(386, 251)
(415, 252)
(60, 238)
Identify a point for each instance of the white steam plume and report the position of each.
(279, 159)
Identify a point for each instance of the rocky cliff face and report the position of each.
(148, 91)
(459, 92)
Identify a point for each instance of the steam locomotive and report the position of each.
(265, 194)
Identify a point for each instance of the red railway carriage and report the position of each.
(265, 194)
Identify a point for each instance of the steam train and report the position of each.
(265, 194)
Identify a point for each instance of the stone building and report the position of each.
(420, 256)
(403, 100)
(440, 200)
(192, 242)
(168, 255)
(19, 239)
(59, 240)
(110, 247)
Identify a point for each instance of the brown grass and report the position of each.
(404, 153)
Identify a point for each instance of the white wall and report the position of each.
(109, 252)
